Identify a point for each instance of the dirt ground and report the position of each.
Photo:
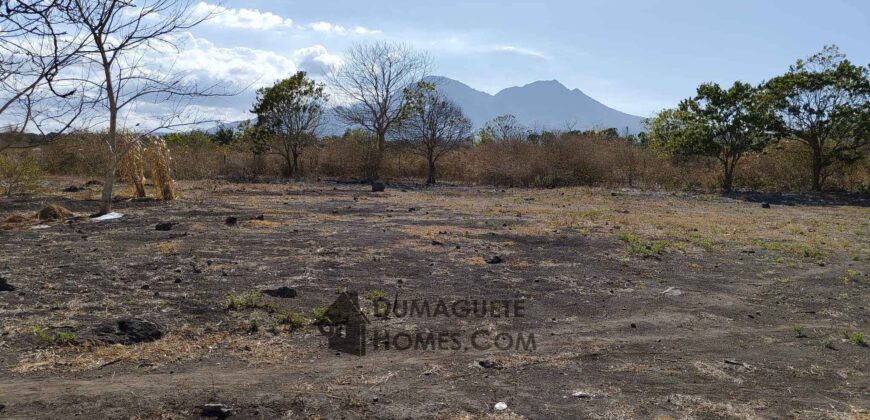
(641, 304)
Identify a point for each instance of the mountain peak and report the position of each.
(544, 103)
(546, 84)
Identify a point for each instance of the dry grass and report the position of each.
(167, 247)
(183, 343)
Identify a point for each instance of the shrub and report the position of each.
(18, 174)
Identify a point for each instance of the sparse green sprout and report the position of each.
(319, 316)
(244, 301)
(45, 337)
(799, 330)
(292, 320)
(849, 276)
(642, 247)
(858, 338)
(828, 343)
(254, 326)
(374, 295)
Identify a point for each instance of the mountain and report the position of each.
(539, 105)
(542, 104)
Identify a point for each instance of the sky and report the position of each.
(636, 56)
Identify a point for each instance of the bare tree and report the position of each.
(504, 128)
(434, 125)
(372, 80)
(35, 50)
(121, 36)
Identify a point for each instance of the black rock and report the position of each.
(412, 209)
(437, 243)
(765, 205)
(232, 221)
(495, 259)
(378, 186)
(6, 287)
(282, 292)
(216, 410)
(489, 364)
(127, 331)
(260, 217)
(72, 188)
(164, 227)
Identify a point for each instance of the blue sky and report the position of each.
(636, 56)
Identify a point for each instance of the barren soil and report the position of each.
(641, 304)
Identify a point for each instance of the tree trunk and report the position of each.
(108, 187)
(729, 176)
(430, 171)
(288, 166)
(295, 171)
(817, 169)
(379, 156)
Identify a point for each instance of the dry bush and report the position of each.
(553, 161)
(19, 172)
(80, 153)
(352, 157)
(198, 160)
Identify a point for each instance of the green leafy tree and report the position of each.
(288, 116)
(434, 125)
(224, 136)
(823, 103)
(725, 124)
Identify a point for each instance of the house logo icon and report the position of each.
(346, 328)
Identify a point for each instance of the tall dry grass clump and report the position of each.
(131, 168)
(161, 174)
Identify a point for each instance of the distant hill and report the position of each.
(539, 105)
(543, 104)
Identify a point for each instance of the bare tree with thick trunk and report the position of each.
(434, 125)
(121, 34)
(371, 81)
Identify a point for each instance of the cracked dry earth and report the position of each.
(641, 304)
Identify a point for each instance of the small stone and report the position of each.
(282, 292)
(260, 218)
(494, 259)
(581, 394)
(765, 205)
(232, 221)
(437, 243)
(6, 287)
(164, 227)
(216, 410)
(500, 406)
(378, 186)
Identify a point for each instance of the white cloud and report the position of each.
(204, 61)
(315, 60)
(242, 18)
(519, 50)
(329, 28)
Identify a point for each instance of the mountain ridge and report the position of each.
(543, 104)
(539, 105)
